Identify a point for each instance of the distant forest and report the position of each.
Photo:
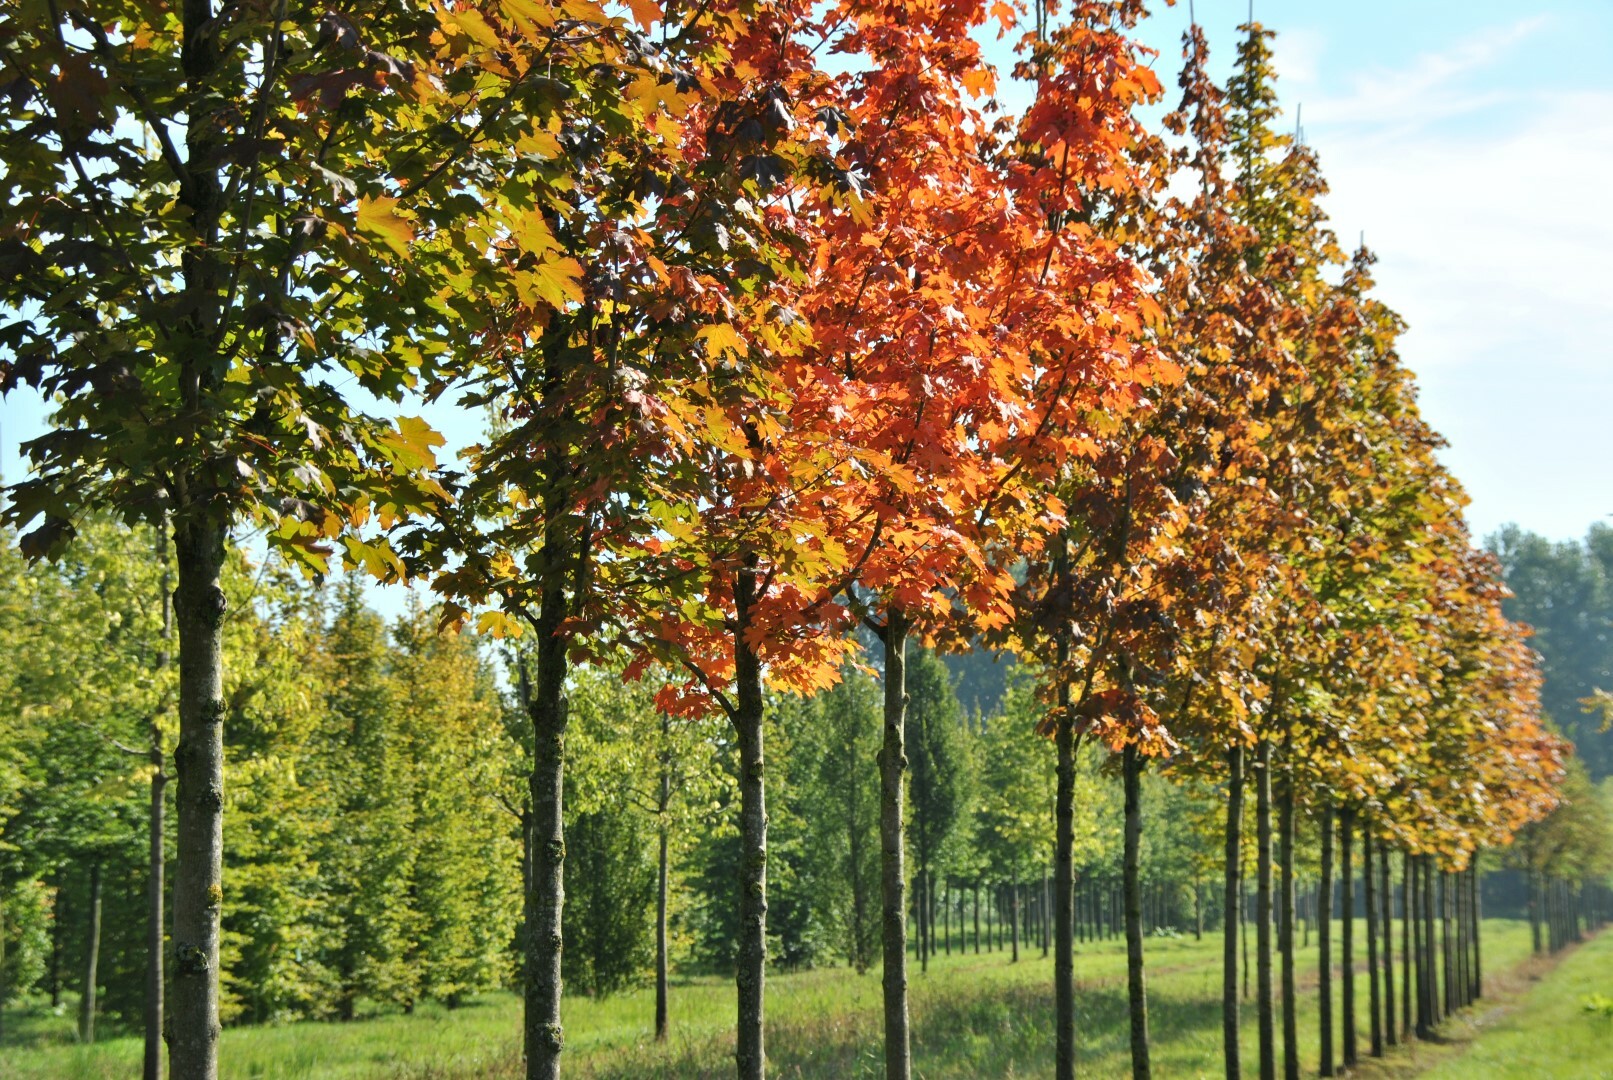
(1565, 592)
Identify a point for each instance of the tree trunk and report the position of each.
(1405, 945)
(1264, 1003)
(1414, 915)
(1136, 989)
(976, 913)
(1324, 944)
(893, 873)
(1064, 894)
(1347, 936)
(1534, 909)
(550, 712)
(1447, 946)
(660, 920)
(1478, 926)
(1387, 903)
(751, 976)
(92, 958)
(1285, 933)
(151, 1067)
(1013, 918)
(1374, 997)
(1232, 903)
(199, 607)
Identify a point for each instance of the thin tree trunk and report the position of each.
(1324, 945)
(893, 871)
(199, 607)
(549, 711)
(151, 1067)
(1405, 945)
(1447, 944)
(751, 977)
(1264, 1004)
(1387, 904)
(92, 959)
(1374, 997)
(1013, 919)
(1043, 911)
(660, 917)
(976, 914)
(1478, 926)
(1232, 903)
(1347, 937)
(1534, 909)
(1414, 915)
(1136, 989)
(1064, 893)
(1285, 943)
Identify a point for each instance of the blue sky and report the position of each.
(1472, 143)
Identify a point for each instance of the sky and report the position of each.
(1471, 144)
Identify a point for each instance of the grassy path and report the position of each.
(974, 1016)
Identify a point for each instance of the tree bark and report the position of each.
(199, 607)
(1285, 942)
(1387, 903)
(92, 958)
(893, 873)
(549, 712)
(660, 920)
(1347, 937)
(1232, 902)
(1264, 1003)
(751, 977)
(1478, 926)
(1374, 976)
(1414, 915)
(1136, 988)
(151, 1061)
(1324, 945)
(1013, 918)
(1064, 893)
(1405, 945)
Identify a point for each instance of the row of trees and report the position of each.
(775, 349)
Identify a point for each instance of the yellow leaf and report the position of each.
(376, 218)
(645, 12)
(720, 337)
(498, 624)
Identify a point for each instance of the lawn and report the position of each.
(973, 1016)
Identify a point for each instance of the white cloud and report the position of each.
(1489, 211)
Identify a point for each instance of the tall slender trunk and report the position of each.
(1405, 945)
(976, 914)
(1324, 944)
(1232, 902)
(544, 1036)
(1264, 1003)
(1064, 893)
(751, 976)
(1285, 942)
(92, 959)
(1534, 908)
(1043, 911)
(1387, 903)
(1436, 1015)
(854, 850)
(1414, 915)
(151, 1061)
(1447, 944)
(199, 607)
(1374, 976)
(1136, 989)
(1478, 926)
(1347, 937)
(893, 872)
(1013, 918)
(663, 831)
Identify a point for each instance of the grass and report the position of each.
(972, 1016)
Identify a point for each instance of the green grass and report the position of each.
(973, 1016)
(1543, 1031)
